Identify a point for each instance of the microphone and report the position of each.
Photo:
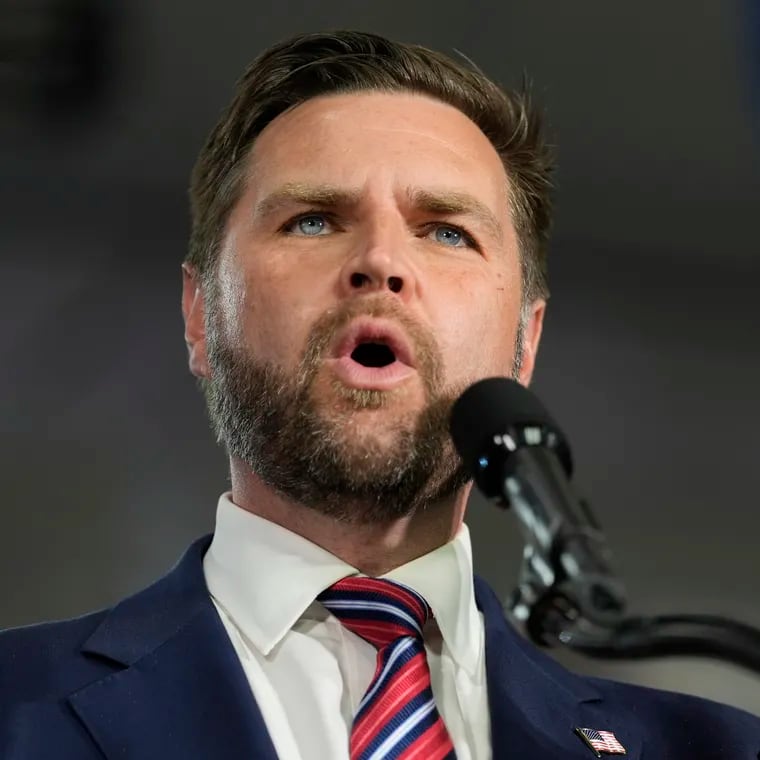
(567, 593)
(519, 457)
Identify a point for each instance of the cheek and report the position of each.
(478, 325)
(279, 308)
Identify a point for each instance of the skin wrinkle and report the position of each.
(455, 148)
(437, 202)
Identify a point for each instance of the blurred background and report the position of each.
(650, 356)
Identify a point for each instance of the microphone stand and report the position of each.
(567, 595)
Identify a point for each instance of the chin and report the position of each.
(370, 420)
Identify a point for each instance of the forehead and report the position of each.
(373, 140)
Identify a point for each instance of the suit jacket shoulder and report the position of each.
(154, 676)
(691, 724)
(552, 701)
(36, 660)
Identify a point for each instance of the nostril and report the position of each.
(358, 279)
(395, 284)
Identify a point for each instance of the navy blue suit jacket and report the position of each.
(156, 678)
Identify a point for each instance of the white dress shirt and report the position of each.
(306, 671)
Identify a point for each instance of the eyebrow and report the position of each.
(451, 202)
(298, 193)
(431, 201)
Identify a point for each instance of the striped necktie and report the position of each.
(397, 719)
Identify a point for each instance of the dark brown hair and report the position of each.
(310, 65)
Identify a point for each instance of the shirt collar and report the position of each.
(444, 578)
(265, 577)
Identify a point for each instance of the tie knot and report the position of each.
(378, 610)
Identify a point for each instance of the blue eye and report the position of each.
(311, 225)
(450, 236)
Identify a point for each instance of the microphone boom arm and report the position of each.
(567, 594)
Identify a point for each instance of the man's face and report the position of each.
(368, 274)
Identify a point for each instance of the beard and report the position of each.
(297, 431)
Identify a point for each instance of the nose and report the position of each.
(380, 263)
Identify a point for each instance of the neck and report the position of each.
(373, 549)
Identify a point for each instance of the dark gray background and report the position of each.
(649, 359)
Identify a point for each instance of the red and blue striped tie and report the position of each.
(397, 719)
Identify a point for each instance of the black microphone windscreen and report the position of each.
(491, 407)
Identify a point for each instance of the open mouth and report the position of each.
(372, 354)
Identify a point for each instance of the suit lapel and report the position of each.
(183, 692)
(535, 704)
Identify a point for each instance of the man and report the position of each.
(369, 232)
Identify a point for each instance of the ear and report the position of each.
(194, 314)
(531, 339)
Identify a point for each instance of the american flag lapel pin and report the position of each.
(601, 742)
